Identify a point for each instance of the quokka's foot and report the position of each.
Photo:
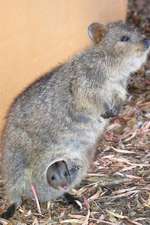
(10, 211)
(70, 199)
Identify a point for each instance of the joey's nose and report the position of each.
(64, 186)
(146, 43)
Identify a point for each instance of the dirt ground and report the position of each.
(117, 190)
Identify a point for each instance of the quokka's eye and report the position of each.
(53, 177)
(125, 38)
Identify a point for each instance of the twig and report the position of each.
(36, 199)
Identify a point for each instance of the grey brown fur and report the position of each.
(60, 117)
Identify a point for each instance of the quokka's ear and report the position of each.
(96, 32)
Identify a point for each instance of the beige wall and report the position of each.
(35, 35)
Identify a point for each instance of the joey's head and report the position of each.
(124, 46)
(60, 176)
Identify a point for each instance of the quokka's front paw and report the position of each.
(111, 112)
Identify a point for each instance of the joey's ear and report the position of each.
(96, 32)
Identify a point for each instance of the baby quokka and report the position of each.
(53, 126)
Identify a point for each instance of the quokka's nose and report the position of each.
(146, 43)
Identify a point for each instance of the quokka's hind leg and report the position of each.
(14, 196)
(15, 201)
(14, 176)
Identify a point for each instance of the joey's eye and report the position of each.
(125, 38)
(53, 177)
